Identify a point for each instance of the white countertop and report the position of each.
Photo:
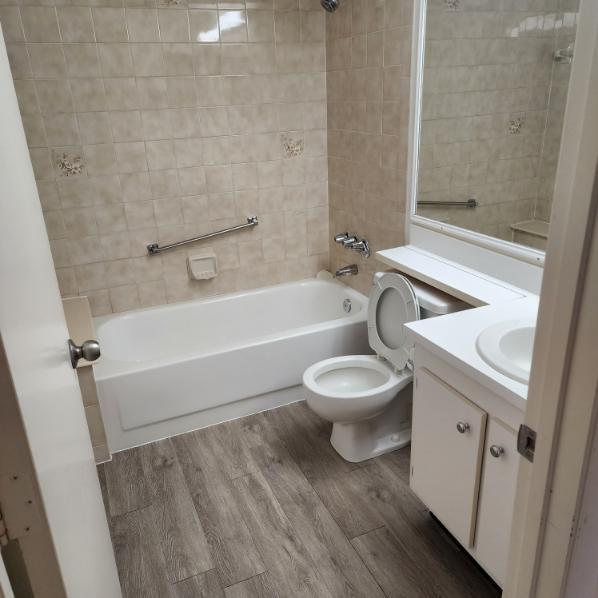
(453, 338)
(462, 282)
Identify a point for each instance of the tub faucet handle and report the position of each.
(340, 238)
(362, 246)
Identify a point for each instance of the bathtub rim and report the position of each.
(118, 367)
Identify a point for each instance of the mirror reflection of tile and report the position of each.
(494, 92)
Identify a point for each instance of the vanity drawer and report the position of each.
(446, 453)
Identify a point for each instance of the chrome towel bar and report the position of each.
(154, 248)
(470, 203)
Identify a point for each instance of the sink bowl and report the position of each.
(507, 347)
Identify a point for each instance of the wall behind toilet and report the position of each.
(156, 120)
(368, 61)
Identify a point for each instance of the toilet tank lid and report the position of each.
(434, 300)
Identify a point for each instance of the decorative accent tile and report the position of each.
(69, 164)
(452, 4)
(292, 147)
(516, 125)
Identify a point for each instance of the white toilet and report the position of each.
(368, 397)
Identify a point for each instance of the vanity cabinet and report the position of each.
(446, 453)
(497, 494)
(464, 459)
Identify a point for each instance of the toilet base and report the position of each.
(383, 433)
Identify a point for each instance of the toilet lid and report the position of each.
(392, 304)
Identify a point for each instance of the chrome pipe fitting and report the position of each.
(351, 270)
(353, 242)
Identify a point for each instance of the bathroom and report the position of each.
(298, 298)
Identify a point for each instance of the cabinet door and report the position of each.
(497, 496)
(447, 440)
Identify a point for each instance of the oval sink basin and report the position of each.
(508, 346)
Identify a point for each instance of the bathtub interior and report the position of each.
(222, 322)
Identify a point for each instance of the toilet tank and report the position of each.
(433, 302)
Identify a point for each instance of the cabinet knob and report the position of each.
(462, 427)
(497, 451)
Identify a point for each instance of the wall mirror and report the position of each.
(491, 86)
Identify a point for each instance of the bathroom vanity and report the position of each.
(466, 413)
(464, 458)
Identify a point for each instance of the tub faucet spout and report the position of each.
(351, 270)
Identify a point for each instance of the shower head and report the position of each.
(330, 5)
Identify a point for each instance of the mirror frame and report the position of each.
(419, 228)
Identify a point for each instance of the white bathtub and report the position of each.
(175, 368)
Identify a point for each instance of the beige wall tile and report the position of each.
(40, 23)
(34, 130)
(152, 293)
(20, 64)
(116, 60)
(142, 24)
(148, 60)
(47, 61)
(82, 60)
(121, 93)
(204, 26)
(260, 25)
(75, 24)
(126, 125)
(88, 95)
(99, 302)
(174, 25)
(12, 28)
(176, 115)
(178, 59)
(109, 24)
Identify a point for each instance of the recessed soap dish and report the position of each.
(202, 266)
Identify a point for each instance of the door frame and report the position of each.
(562, 400)
(39, 560)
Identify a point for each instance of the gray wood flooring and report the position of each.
(263, 507)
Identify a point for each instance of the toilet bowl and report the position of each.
(368, 397)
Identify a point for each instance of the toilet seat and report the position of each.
(353, 387)
(351, 376)
(362, 385)
(392, 304)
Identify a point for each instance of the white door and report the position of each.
(497, 496)
(44, 386)
(562, 402)
(446, 453)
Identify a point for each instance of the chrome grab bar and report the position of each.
(154, 248)
(470, 203)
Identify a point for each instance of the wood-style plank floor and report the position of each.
(264, 507)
